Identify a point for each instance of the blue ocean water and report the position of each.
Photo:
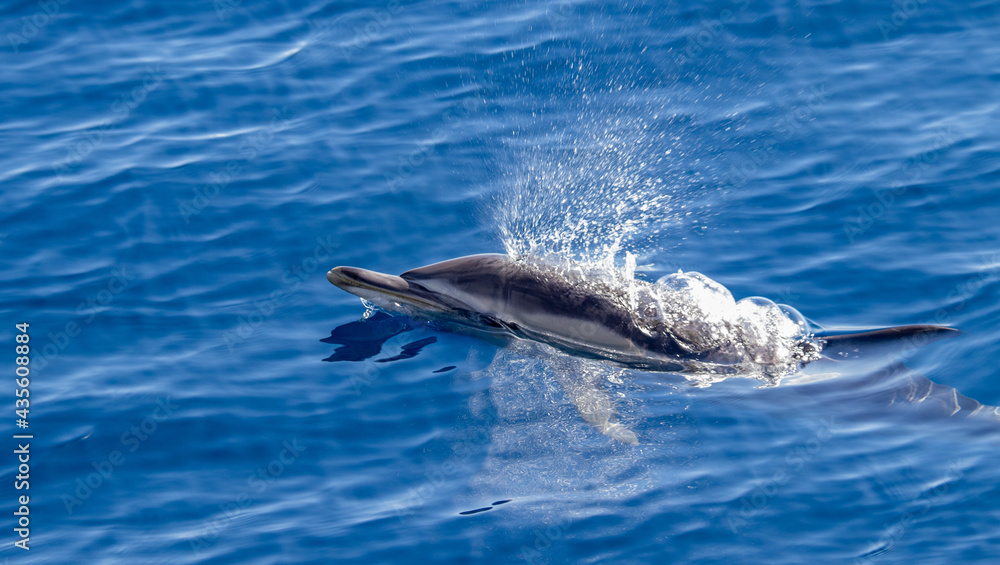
(178, 177)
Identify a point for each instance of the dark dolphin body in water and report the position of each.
(499, 297)
(495, 296)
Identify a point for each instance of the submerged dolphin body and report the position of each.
(497, 296)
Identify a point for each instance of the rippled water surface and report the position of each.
(179, 176)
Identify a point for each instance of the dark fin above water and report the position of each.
(476, 511)
(855, 345)
(485, 508)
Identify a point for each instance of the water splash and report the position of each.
(609, 183)
(619, 187)
(752, 337)
(721, 337)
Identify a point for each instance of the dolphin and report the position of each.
(500, 297)
(497, 296)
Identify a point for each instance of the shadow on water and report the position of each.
(364, 339)
(484, 508)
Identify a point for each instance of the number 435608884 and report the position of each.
(22, 371)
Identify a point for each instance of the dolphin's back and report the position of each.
(541, 302)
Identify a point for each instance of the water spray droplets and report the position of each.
(612, 190)
(753, 335)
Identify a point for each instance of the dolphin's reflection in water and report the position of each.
(868, 368)
(364, 339)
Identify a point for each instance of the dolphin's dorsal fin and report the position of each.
(856, 345)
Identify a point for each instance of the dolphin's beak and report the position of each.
(349, 278)
(371, 285)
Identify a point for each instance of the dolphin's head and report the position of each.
(467, 291)
(388, 291)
